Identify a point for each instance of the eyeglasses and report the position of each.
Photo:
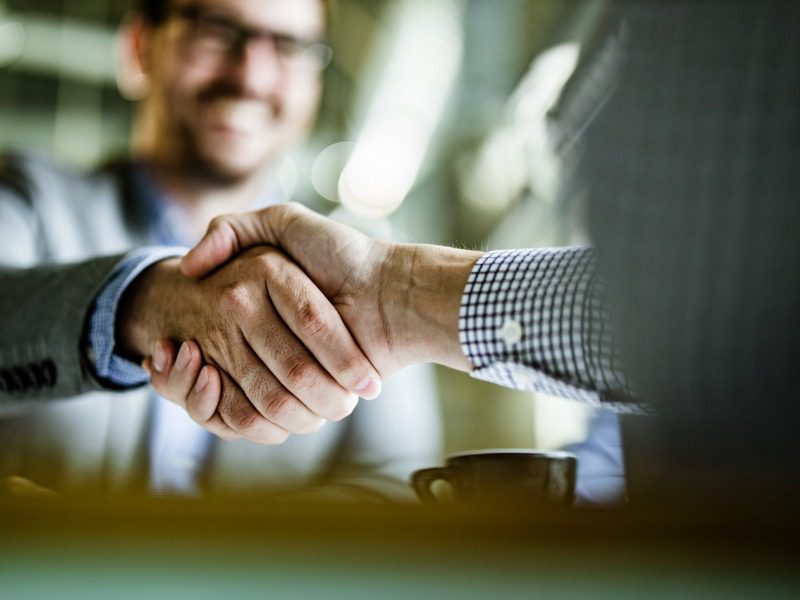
(212, 38)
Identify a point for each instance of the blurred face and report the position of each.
(233, 83)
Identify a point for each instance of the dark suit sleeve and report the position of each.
(42, 327)
(43, 306)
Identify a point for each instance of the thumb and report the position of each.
(227, 236)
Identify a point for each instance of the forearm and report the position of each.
(42, 330)
(532, 319)
(420, 294)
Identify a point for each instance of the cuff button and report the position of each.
(511, 332)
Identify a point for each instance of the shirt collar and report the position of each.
(166, 218)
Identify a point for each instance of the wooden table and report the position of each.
(86, 547)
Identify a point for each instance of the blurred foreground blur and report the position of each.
(240, 548)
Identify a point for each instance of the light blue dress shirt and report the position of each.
(601, 469)
(178, 447)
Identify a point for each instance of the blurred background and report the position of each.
(433, 129)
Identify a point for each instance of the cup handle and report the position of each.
(422, 480)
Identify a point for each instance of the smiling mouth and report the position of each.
(238, 116)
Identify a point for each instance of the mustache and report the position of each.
(222, 90)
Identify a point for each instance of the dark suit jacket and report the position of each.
(693, 164)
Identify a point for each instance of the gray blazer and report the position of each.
(61, 234)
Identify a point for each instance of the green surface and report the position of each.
(258, 549)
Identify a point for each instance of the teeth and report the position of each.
(240, 114)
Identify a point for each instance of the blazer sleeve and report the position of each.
(43, 306)
(42, 326)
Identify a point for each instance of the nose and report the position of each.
(256, 69)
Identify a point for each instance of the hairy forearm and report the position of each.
(421, 288)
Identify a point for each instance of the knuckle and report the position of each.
(293, 207)
(238, 413)
(256, 385)
(236, 298)
(287, 412)
(301, 375)
(313, 320)
(288, 212)
(218, 222)
(351, 370)
(244, 419)
(280, 407)
(268, 259)
(217, 337)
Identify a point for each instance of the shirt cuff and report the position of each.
(533, 320)
(108, 366)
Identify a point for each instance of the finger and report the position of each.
(312, 318)
(159, 364)
(177, 380)
(268, 395)
(165, 356)
(164, 353)
(275, 403)
(202, 401)
(228, 235)
(295, 368)
(241, 417)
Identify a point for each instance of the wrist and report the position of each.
(147, 309)
(424, 288)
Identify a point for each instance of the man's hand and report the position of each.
(181, 376)
(400, 302)
(286, 362)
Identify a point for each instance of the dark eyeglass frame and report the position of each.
(285, 44)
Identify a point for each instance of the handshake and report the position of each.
(285, 318)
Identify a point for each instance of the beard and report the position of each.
(231, 136)
(213, 167)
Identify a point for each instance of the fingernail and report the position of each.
(159, 357)
(184, 356)
(369, 389)
(202, 380)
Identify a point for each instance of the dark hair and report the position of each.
(155, 11)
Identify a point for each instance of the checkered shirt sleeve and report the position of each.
(535, 320)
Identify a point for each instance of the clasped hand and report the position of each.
(286, 341)
(278, 358)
